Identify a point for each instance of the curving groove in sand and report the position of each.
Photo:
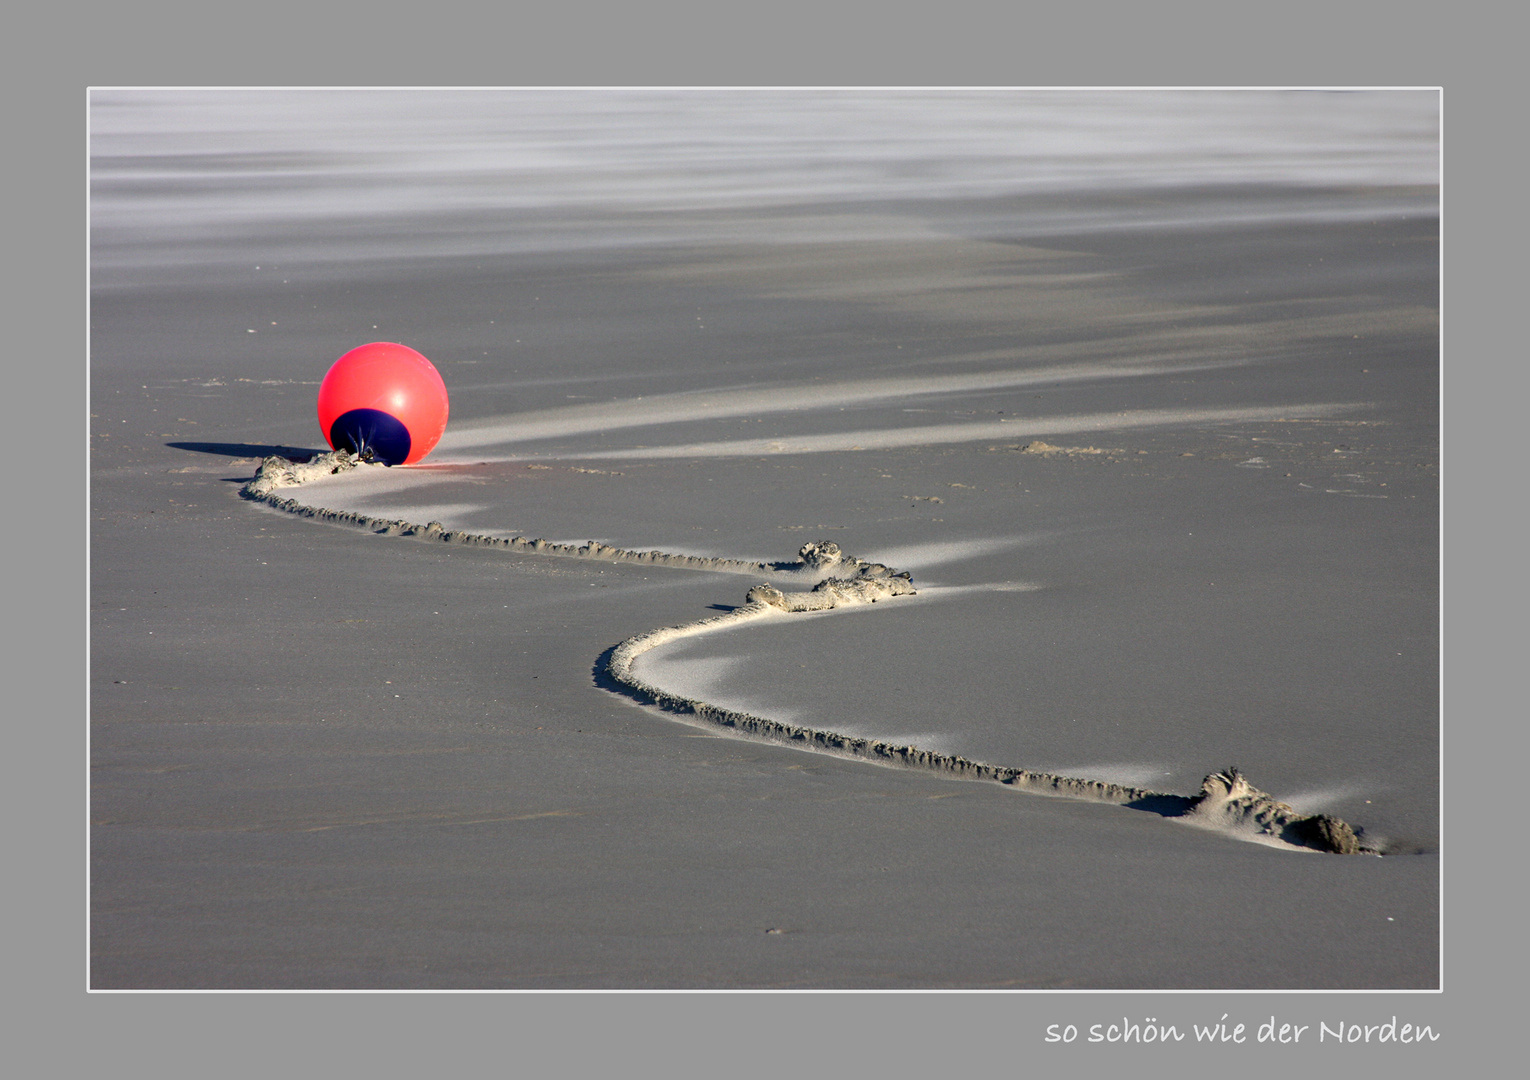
(1227, 802)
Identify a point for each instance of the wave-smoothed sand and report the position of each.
(1227, 802)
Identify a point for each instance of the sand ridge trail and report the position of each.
(723, 403)
(892, 438)
(1226, 803)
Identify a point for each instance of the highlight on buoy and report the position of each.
(383, 402)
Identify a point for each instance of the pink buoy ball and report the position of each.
(384, 401)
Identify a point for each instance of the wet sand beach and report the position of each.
(1161, 460)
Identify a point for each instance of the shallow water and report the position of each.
(187, 183)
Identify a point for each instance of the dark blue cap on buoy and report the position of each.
(371, 431)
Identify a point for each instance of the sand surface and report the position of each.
(1163, 467)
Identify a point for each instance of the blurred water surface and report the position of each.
(187, 180)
